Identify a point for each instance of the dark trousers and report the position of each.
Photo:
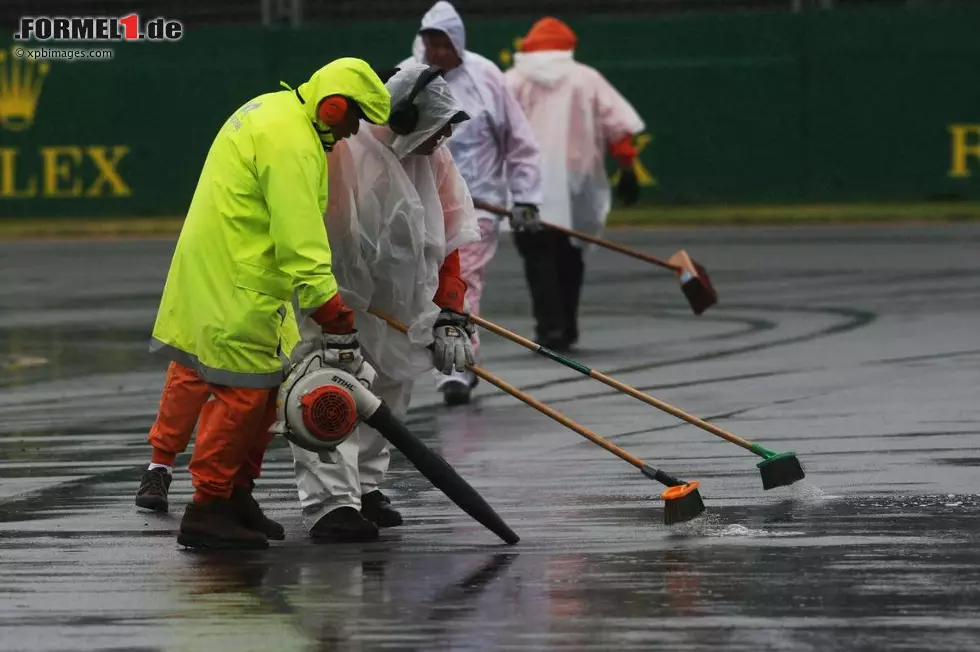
(554, 270)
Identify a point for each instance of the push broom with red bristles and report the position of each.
(693, 277)
(682, 500)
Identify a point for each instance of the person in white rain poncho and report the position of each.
(495, 150)
(576, 116)
(398, 212)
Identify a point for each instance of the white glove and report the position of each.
(366, 374)
(340, 352)
(451, 348)
(525, 217)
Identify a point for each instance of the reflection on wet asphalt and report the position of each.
(855, 348)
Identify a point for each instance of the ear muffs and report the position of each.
(332, 110)
(404, 115)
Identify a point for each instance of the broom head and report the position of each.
(780, 470)
(682, 503)
(695, 283)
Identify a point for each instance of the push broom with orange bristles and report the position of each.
(682, 500)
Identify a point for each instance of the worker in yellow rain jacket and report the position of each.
(253, 243)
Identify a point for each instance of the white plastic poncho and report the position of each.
(575, 114)
(392, 218)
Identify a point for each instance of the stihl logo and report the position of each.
(98, 28)
(343, 383)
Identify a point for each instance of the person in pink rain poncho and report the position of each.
(576, 116)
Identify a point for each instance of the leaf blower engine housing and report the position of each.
(318, 407)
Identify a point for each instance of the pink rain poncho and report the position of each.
(576, 116)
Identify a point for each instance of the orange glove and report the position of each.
(334, 316)
(451, 346)
(338, 342)
(452, 287)
(628, 188)
(624, 152)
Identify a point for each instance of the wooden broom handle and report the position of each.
(530, 400)
(503, 212)
(557, 416)
(615, 384)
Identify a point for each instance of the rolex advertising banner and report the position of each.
(114, 117)
(124, 134)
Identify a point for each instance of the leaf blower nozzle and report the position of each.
(319, 407)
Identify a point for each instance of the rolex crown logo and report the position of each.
(20, 88)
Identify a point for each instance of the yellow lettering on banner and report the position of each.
(58, 168)
(961, 148)
(8, 176)
(108, 174)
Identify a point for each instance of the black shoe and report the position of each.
(216, 526)
(376, 508)
(344, 525)
(252, 516)
(153, 489)
(456, 392)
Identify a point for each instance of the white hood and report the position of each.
(435, 103)
(444, 17)
(546, 67)
(418, 49)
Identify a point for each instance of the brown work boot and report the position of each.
(252, 516)
(217, 525)
(152, 493)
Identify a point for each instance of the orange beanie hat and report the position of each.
(549, 34)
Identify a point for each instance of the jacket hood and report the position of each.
(435, 102)
(546, 67)
(442, 16)
(418, 49)
(549, 34)
(355, 80)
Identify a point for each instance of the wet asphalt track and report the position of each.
(857, 348)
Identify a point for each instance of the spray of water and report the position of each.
(709, 524)
(698, 527)
(802, 492)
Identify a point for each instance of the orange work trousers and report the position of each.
(233, 434)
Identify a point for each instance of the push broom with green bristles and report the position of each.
(777, 469)
(682, 500)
